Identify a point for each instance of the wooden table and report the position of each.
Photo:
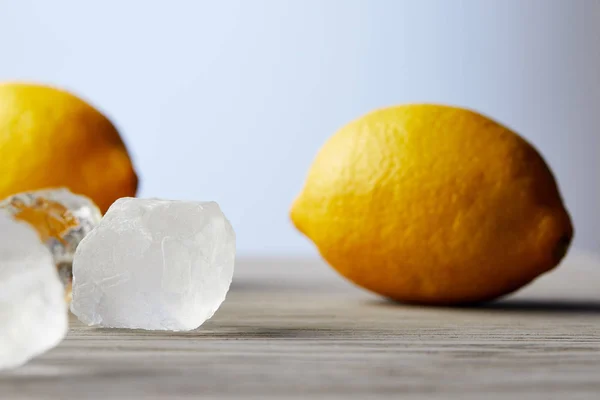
(294, 329)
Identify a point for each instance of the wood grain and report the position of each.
(293, 329)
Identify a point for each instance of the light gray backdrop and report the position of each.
(230, 100)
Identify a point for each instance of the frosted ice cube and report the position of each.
(61, 218)
(33, 311)
(154, 264)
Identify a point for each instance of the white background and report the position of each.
(230, 100)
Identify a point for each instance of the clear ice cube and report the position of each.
(61, 218)
(154, 264)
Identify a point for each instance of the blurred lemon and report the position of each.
(433, 204)
(51, 138)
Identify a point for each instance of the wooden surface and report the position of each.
(293, 329)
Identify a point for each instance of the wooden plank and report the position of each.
(293, 329)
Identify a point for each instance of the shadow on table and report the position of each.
(544, 305)
(517, 305)
(237, 332)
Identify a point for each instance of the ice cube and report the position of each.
(33, 311)
(61, 218)
(154, 264)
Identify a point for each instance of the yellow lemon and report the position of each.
(433, 204)
(51, 138)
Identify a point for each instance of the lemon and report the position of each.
(51, 138)
(433, 204)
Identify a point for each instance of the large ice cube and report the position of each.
(154, 264)
(33, 311)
